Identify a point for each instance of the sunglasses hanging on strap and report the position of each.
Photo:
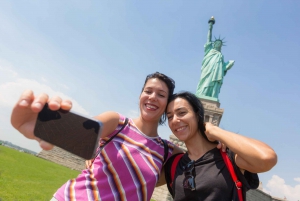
(100, 148)
(229, 166)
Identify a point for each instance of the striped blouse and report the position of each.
(127, 168)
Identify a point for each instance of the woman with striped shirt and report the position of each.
(128, 167)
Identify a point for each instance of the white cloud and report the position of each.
(44, 79)
(6, 71)
(297, 179)
(278, 188)
(11, 87)
(64, 86)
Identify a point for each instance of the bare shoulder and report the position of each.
(110, 121)
(177, 150)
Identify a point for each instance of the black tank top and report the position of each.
(212, 178)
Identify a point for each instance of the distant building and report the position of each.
(21, 149)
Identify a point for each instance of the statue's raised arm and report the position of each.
(211, 22)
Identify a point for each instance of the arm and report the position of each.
(210, 26)
(25, 112)
(162, 180)
(110, 121)
(252, 155)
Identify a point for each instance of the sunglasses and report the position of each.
(189, 180)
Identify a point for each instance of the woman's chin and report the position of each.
(181, 138)
(150, 117)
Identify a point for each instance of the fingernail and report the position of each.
(38, 105)
(23, 103)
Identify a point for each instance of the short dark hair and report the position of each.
(170, 84)
(197, 106)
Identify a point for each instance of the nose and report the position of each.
(153, 96)
(175, 119)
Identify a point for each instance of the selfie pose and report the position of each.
(201, 174)
(129, 162)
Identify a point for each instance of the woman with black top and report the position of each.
(201, 174)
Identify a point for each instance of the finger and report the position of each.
(45, 145)
(55, 103)
(66, 105)
(204, 124)
(224, 147)
(39, 102)
(25, 99)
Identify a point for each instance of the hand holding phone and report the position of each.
(70, 131)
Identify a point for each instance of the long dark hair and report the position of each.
(197, 106)
(170, 84)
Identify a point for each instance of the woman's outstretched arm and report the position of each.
(25, 112)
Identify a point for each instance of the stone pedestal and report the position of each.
(62, 157)
(161, 194)
(212, 111)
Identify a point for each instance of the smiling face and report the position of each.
(182, 119)
(153, 99)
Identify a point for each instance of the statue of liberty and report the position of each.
(213, 67)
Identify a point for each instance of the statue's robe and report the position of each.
(212, 72)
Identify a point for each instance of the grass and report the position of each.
(24, 177)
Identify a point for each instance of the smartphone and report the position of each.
(72, 132)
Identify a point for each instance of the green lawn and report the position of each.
(24, 177)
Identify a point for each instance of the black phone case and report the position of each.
(69, 131)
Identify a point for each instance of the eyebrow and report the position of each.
(161, 90)
(176, 110)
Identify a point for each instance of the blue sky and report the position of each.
(97, 53)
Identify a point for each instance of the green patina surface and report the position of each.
(213, 67)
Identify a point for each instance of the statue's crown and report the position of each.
(221, 40)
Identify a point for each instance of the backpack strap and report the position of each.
(166, 148)
(238, 184)
(173, 167)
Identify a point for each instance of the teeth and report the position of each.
(151, 106)
(179, 129)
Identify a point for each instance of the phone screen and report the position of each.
(69, 131)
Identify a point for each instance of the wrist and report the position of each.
(214, 132)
